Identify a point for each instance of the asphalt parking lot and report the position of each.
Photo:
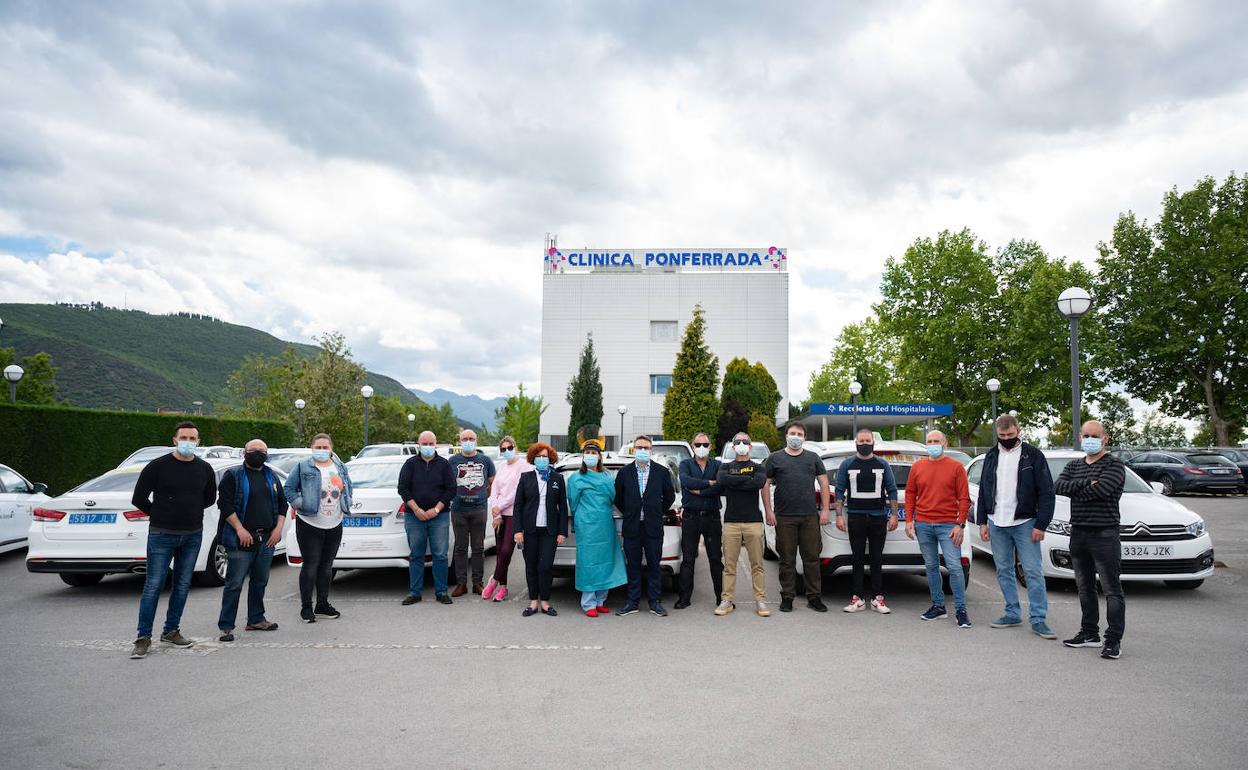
(477, 685)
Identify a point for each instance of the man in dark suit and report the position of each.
(644, 493)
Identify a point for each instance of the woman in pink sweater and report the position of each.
(502, 498)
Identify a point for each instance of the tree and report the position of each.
(733, 418)
(520, 417)
(1156, 430)
(1176, 306)
(763, 429)
(439, 419)
(863, 352)
(690, 404)
(1060, 435)
(38, 383)
(585, 391)
(749, 397)
(266, 388)
(1118, 419)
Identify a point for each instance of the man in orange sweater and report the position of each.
(937, 501)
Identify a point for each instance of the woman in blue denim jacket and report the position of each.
(319, 491)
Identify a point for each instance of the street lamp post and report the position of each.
(411, 425)
(199, 407)
(855, 388)
(993, 386)
(622, 409)
(13, 374)
(1074, 303)
(299, 405)
(367, 393)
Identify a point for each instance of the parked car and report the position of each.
(18, 499)
(565, 555)
(286, 458)
(758, 452)
(1239, 457)
(93, 530)
(1161, 539)
(384, 450)
(677, 450)
(148, 453)
(1188, 471)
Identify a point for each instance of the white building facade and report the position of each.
(637, 304)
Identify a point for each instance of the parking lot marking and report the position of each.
(209, 646)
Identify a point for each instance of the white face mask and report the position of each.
(701, 452)
(795, 442)
(741, 448)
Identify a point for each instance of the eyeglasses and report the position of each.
(740, 443)
(701, 444)
(505, 448)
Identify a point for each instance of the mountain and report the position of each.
(128, 359)
(474, 409)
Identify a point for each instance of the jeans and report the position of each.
(162, 549)
(1098, 551)
(701, 525)
(539, 561)
(794, 533)
(867, 529)
(1006, 542)
(652, 547)
(934, 538)
(434, 534)
(469, 530)
(592, 599)
(319, 547)
(505, 540)
(245, 564)
(748, 535)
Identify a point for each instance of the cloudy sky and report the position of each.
(390, 170)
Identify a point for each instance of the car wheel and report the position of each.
(768, 553)
(81, 579)
(214, 571)
(799, 584)
(1186, 585)
(1018, 573)
(1167, 486)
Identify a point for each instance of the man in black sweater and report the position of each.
(1094, 486)
(740, 483)
(173, 490)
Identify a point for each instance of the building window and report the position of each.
(662, 331)
(659, 383)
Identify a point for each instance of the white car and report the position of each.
(901, 554)
(18, 499)
(285, 459)
(758, 452)
(677, 450)
(93, 530)
(1161, 539)
(146, 454)
(669, 567)
(373, 534)
(387, 450)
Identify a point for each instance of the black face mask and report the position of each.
(1009, 443)
(866, 449)
(256, 458)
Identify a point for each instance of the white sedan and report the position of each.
(1161, 539)
(93, 530)
(18, 499)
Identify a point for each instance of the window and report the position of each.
(659, 383)
(662, 331)
(973, 473)
(11, 482)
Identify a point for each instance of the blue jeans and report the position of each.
(934, 538)
(592, 599)
(435, 535)
(162, 550)
(245, 564)
(1007, 541)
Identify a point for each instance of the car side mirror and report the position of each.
(39, 488)
(1157, 487)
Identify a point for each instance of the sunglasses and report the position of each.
(701, 444)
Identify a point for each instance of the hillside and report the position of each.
(471, 408)
(128, 359)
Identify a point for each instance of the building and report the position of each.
(636, 303)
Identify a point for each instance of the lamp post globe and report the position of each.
(994, 385)
(13, 374)
(622, 409)
(855, 388)
(1074, 303)
(367, 393)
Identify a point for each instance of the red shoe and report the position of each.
(593, 613)
(602, 609)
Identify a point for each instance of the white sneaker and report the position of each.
(879, 606)
(761, 609)
(856, 604)
(724, 608)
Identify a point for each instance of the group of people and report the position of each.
(724, 505)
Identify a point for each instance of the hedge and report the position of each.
(64, 446)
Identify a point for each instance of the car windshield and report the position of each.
(901, 470)
(374, 475)
(676, 451)
(117, 481)
(286, 461)
(758, 453)
(380, 451)
(1209, 459)
(146, 455)
(1132, 483)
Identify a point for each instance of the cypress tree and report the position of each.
(585, 394)
(690, 405)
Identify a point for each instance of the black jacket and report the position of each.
(693, 477)
(428, 482)
(524, 513)
(1035, 487)
(657, 501)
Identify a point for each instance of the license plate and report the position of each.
(1220, 471)
(92, 518)
(362, 521)
(1143, 551)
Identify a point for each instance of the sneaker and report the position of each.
(328, 611)
(879, 606)
(142, 646)
(816, 604)
(657, 609)
(1005, 621)
(964, 620)
(488, 591)
(760, 609)
(934, 613)
(459, 590)
(856, 604)
(603, 609)
(1084, 639)
(628, 610)
(444, 599)
(409, 600)
(226, 636)
(264, 625)
(724, 608)
(786, 604)
(500, 594)
(1112, 650)
(682, 603)
(1042, 630)
(306, 615)
(592, 612)
(176, 638)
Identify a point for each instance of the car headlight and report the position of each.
(1196, 528)
(1058, 527)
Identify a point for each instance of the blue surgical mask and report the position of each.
(320, 455)
(468, 446)
(186, 448)
(934, 451)
(509, 454)
(591, 461)
(642, 455)
(1091, 445)
(427, 451)
(541, 462)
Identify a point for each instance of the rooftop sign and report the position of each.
(889, 410)
(711, 260)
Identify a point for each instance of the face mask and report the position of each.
(642, 455)
(427, 451)
(934, 451)
(320, 455)
(701, 451)
(591, 461)
(541, 463)
(1092, 445)
(256, 458)
(794, 442)
(509, 454)
(1009, 443)
(468, 446)
(866, 449)
(741, 448)
(186, 448)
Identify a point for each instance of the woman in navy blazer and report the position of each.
(540, 520)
